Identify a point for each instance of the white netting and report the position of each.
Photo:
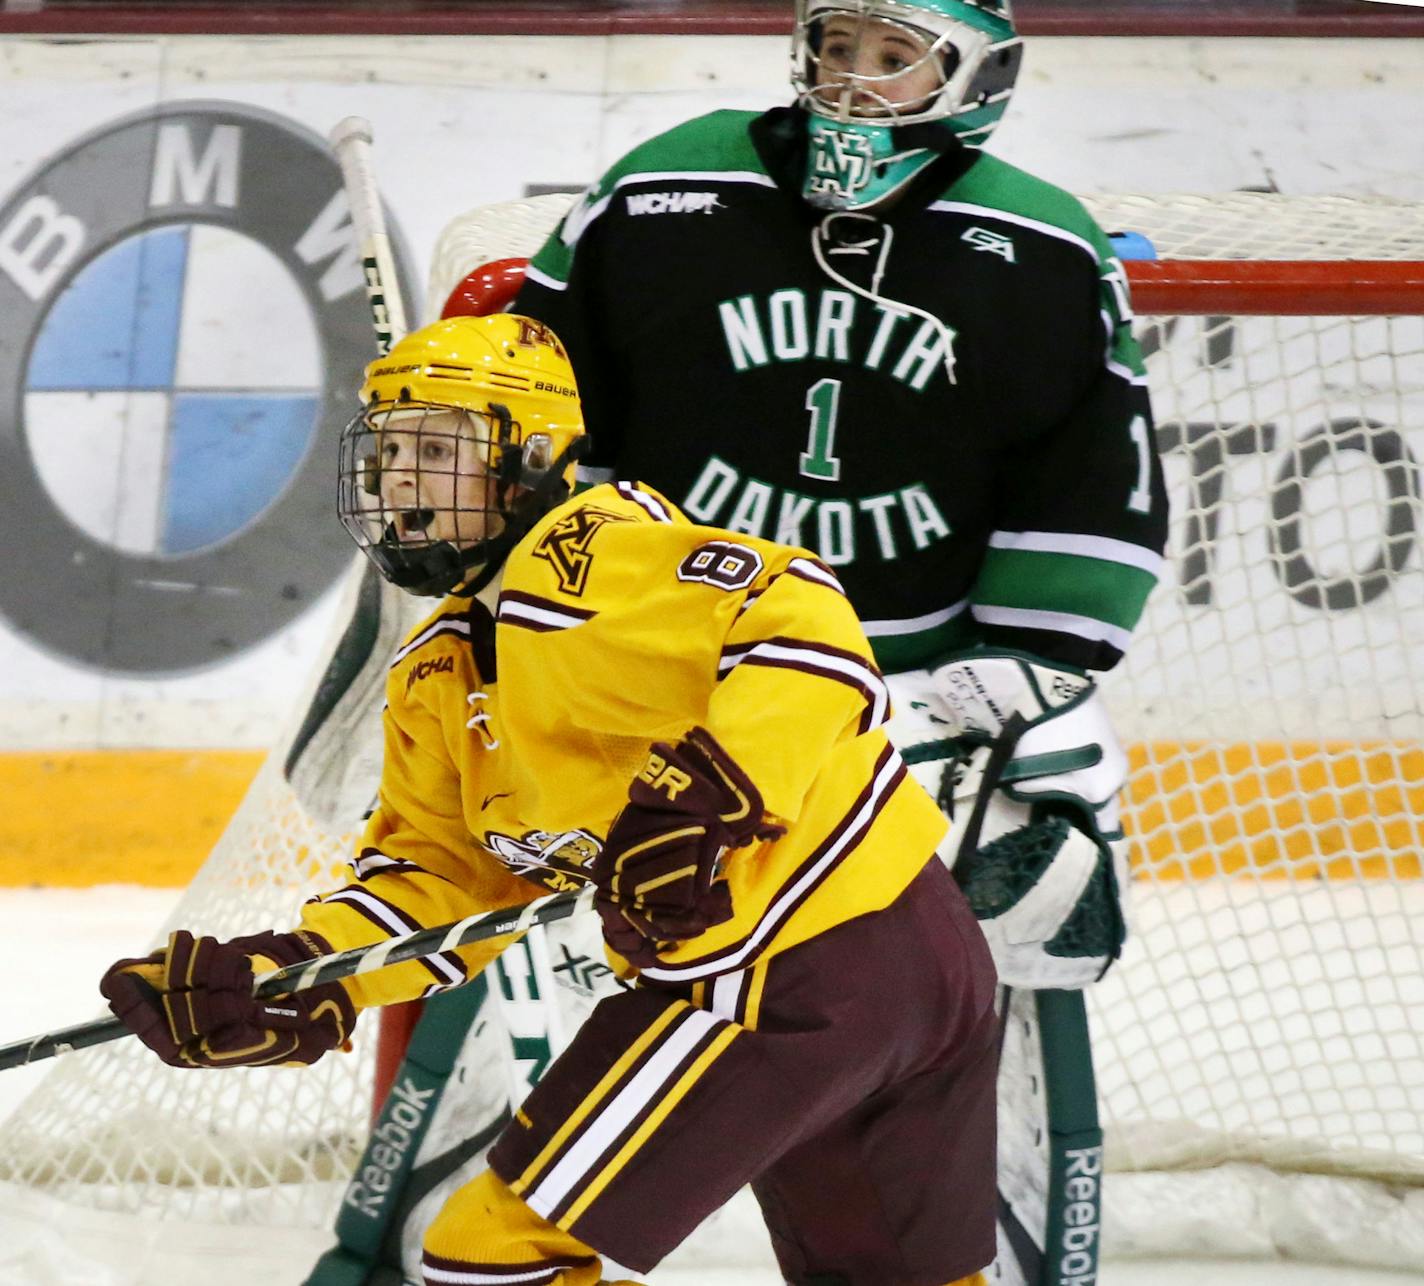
(114, 1126)
(512, 229)
(1270, 1010)
(192, 1158)
(1234, 225)
(1265, 225)
(1270, 1006)
(142, 1166)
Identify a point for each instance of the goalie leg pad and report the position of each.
(1017, 754)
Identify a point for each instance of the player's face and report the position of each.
(435, 482)
(895, 60)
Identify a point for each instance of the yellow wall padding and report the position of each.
(76, 818)
(1291, 810)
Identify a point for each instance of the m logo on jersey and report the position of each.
(994, 242)
(672, 202)
(565, 546)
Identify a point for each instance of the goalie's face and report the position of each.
(872, 67)
(435, 479)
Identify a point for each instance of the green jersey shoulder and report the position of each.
(717, 144)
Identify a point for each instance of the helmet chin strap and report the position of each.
(826, 240)
(542, 497)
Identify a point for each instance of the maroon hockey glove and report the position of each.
(192, 1003)
(657, 875)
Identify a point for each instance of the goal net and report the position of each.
(1263, 1034)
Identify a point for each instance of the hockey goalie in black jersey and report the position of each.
(841, 324)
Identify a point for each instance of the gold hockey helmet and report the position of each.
(469, 431)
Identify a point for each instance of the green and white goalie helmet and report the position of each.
(970, 45)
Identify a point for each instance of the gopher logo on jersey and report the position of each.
(557, 860)
(565, 546)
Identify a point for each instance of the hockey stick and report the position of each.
(351, 141)
(333, 779)
(341, 964)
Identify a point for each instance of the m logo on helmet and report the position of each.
(565, 546)
(533, 333)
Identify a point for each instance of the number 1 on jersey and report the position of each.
(1139, 501)
(823, 400)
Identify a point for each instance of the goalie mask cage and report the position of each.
(1260, 1047)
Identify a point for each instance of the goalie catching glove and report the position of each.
(192, 1003)
(1023, 759)
(658, 873)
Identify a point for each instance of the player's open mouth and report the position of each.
(411, 524)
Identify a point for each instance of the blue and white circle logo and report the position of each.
(182, 332)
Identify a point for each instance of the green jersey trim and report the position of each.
(914, 624)
(1067, 542)
(1099, 594)
(707, 143)
(895, 653)
(1083, 627)
(1020, 219)
(992, 186)
(997, 190)
(554, 261)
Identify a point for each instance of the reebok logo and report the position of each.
(1078, 1252)
(391, 1147)
(672, 202)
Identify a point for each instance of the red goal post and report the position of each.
(1246, 253)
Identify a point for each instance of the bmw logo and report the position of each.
(182, 334)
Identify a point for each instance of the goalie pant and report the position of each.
(865, 1128)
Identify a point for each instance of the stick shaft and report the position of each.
(313, 973)
(351, 141)
(423, 942)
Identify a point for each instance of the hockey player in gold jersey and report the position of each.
(691, 720)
